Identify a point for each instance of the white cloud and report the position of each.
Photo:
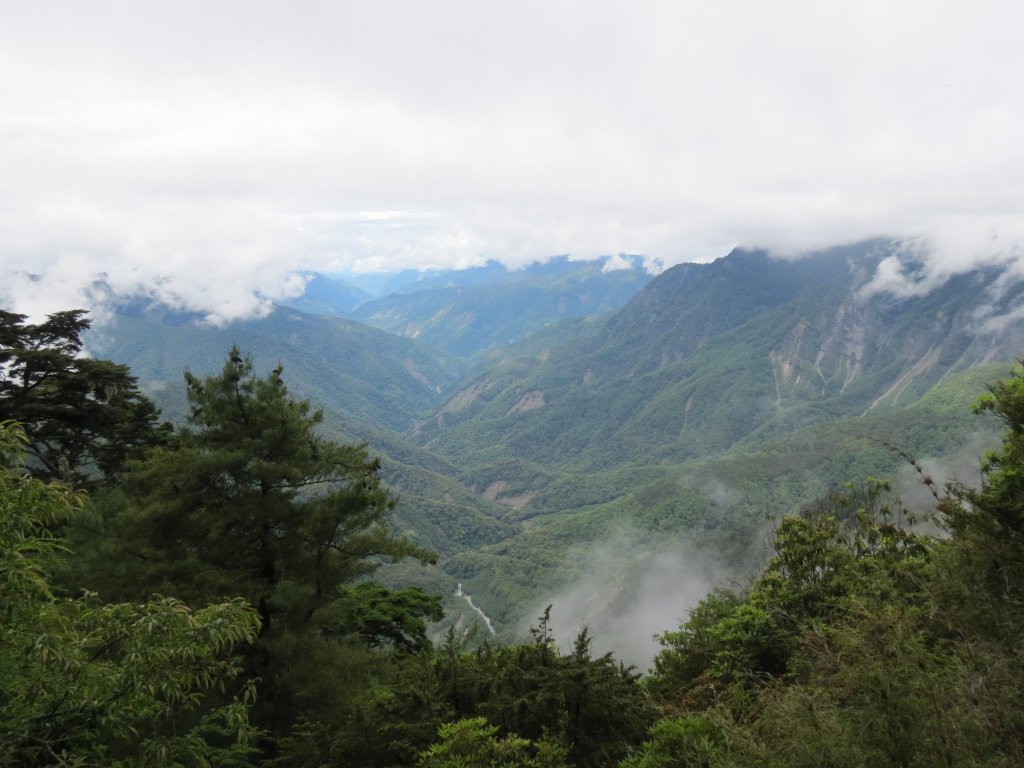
(953, 246)
(203, 151)
(616, 263)
(626, 604)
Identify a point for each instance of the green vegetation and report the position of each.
(473, 741)
(249, 501)
(469, 316)
(254, 588)
(712, 503)
(863, 642)
(367, 375)
(710, 357)
(84, 418)
(719, 395)
(150, 683)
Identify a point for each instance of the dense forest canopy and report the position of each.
(210, 601)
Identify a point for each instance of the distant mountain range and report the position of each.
(528, 418)
(470, 312)
(708, 356)
(325, 295)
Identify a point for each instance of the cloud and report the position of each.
(964, 467)
(631, 592)
(224, 259)
(616, 263)
(921, 263)
(203, 152)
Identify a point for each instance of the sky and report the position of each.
(202, 153)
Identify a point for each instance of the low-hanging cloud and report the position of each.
(632, 593)
(923, 262)
(963, 467)
(200, 154)
(225, 263)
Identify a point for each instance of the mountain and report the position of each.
(720, 393)
(350, 369)
(372, 387)
(470, 312)
(539, 452)
(380, 284)
(632, 541)
(327, 296)
(709, 356)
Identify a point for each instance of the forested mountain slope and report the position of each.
(346, 367)
(710, 356)
(472, 313)
(720, 393)
(325, 295)
(615, 550)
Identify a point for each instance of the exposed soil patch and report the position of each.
(413, 371)
(466, 396)
(531, 401)
(492, 490)
(516, 502)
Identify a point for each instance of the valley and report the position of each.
(512, 385)
(591, 449)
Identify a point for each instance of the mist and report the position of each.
(631, 594)
(963, 467)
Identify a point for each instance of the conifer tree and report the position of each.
(84, 417)
(251, 501)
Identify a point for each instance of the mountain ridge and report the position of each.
(718, 392)
(779, 353)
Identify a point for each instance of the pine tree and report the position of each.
(252, 501)
(84, 417)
